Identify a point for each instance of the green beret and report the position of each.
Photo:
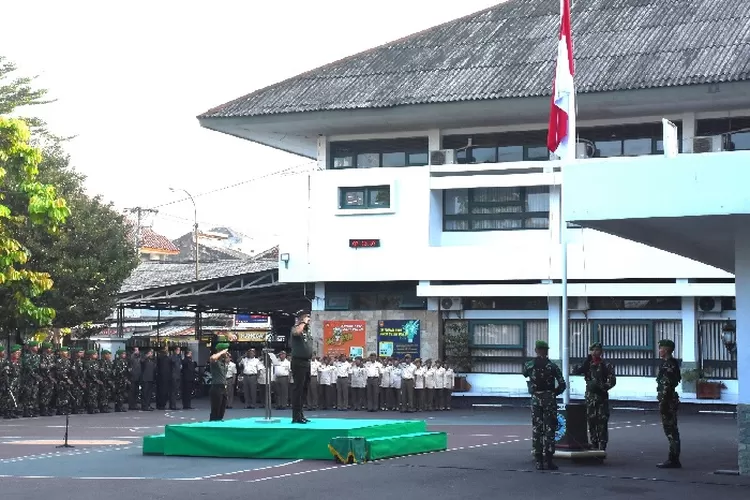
(666, 343)
(15, 348)
(2, 348)
(74, 349)
(33, 343)
(89, 352)
(222, 346)
(46, 345)
(541, 344)
(64, 349)
(120, 351)
(595, 345)
(105, 352)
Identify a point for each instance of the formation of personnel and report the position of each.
(39, 380)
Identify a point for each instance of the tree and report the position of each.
(91, 255)
(44, 209)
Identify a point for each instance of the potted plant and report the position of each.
(704, 388)
(458, 351)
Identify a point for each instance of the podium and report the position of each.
(571, 438)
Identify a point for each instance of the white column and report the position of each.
(555, 330)
(742, 292)
(688, 132)
(319, 302)
(434, 139)
(322, 152)
(689, 331)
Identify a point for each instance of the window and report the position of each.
(500, 147)
(627, 140)
(496, 209)
(503, 346)
(736, 128)
(365, 197)
(408, 152)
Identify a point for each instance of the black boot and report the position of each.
(538, 462)
(550, 465)
(671, 463)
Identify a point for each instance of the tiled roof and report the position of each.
(186, 246)
(152, 240)
(509, 51)
(155, 274)
(272, 254)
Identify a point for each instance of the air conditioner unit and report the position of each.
(443, 157)
(451, 304)
(710, 304)
(578, 304)
(708, 144)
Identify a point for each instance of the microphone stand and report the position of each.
(65, 444)
(267, 361)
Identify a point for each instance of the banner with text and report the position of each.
(344, 337)
(399, 337)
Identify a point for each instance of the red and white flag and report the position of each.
(562, 119)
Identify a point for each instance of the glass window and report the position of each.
(418, 159)
(606, 149)
(368, 160)
(537, 153)
(637, 147)
(394, 159)
(353, 199)
(510, 153)
(484, 155)
(496, 209)
(741, 140)
(343, 161)
(379, 197)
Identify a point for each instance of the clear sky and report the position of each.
(130, 78)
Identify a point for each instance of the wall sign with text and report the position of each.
(399, 337)
(370, 243)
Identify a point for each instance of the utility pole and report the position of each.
(139, 211)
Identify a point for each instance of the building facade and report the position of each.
(436, 200)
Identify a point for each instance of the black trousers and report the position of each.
(187, 393)
(218, 396)
(301, 376)
(135, 388)
(174, 389)
(148, 392)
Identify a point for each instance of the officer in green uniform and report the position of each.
(218, 392)
(542, 374)
(666, 385)
(600, 378)
(302, 347)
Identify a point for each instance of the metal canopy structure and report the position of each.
(232, 287)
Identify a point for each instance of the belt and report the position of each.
(250, 374)
(374, 376)
(345, 377)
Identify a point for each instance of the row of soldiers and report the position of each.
(42, 381)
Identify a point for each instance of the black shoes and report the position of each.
(672, 463)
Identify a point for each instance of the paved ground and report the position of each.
(488, 453)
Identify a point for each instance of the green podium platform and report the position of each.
(247, 438)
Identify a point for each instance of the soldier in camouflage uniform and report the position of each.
(667, 381)
(4, 395)
(78, 377)
(542, 374)
(10, 372)
(64, 376)
(46, 380)
(600, 378)
(121, 375)
(106, 369)
(30, 375)
(93, 381)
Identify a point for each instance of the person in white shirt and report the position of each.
(313, 390)
(328, 389)
(359, 382)
(231, 382)
(407, 384)
(343, 370)
(450, 381)
(385, 384)
(439, 386)
(373, 370)
(419, 385)
(281, 369)
(396, 385)
(262, 383)
(249, 365)
(429, 386)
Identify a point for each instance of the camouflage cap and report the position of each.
(666, 343)
(15, 348)
(222, 346)
(541, 344)
(595, 345)
(33, 343)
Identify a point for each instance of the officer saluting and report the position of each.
(302, 348)
(542, 375)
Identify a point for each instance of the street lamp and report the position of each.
(195, 226)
